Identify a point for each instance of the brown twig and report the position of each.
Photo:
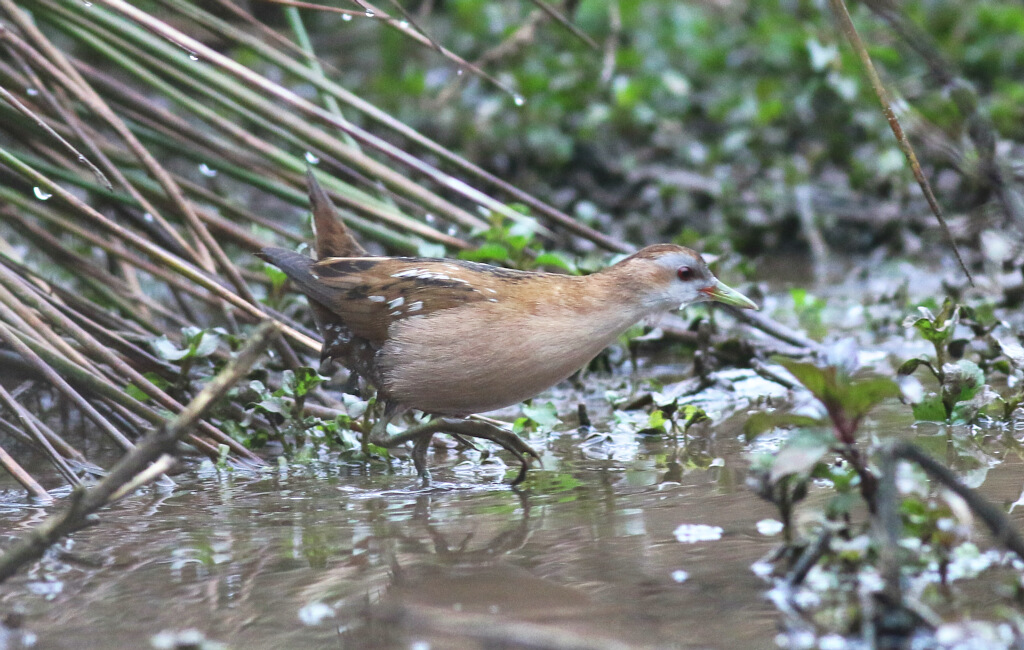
(41, 123)
(846, 24)
(84, 503)
(155, 252)
(771, 327)
(88, 410)
(14, 407)
(998, 523)
(23, 477)
(230, 32)
(979, 127)
(611, 43)
(61, 71)
(562, 20)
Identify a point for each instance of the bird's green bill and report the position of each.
(724, 294)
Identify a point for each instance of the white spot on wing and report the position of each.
(427, 274)
(408, 273)
(416, 306)
(376, 298)
(396, 303)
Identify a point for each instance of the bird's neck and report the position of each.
(623, 289)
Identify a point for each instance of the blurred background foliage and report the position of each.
(703, 115)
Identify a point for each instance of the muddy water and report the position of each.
(339, 557)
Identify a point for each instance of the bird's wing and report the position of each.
(368, 294)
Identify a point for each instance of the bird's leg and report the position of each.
(471, 428)
(378, 434)
(419, 457)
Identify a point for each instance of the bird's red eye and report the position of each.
(685, 273)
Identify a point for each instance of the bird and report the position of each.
(454, 338)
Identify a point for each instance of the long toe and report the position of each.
(521, 476)
(514, 443)
(420, 436)
(419, 457)
(505, 439)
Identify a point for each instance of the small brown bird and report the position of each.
(454, 338)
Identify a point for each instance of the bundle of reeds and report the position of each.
(139, 165)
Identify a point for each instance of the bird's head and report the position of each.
(672, 277)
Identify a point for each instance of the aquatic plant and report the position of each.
(846, 398)
(963, 390)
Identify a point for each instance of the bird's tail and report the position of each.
(295, 265)
(333, 238)
(298, 269)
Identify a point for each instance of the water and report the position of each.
(372, 560)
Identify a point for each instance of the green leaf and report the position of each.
(274, 404)
(205, 345)
(544, 415)
(657, 420)
(168, 351)
(841, 504)
(155, 379)
(557, 261)
(377, 450)
(305, 379)
(487, 253)
(862, 395)
(136, 393)
(258, 387)
(936, 329)
(930, 409)
(804, 449)
(692, 415)
(984, 400)
(815, 379)
(1013, 350)
(276, 276)
(287, 388)
(910, 365)
(963, 381)
(761, 422)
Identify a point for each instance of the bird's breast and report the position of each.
(485, 356)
